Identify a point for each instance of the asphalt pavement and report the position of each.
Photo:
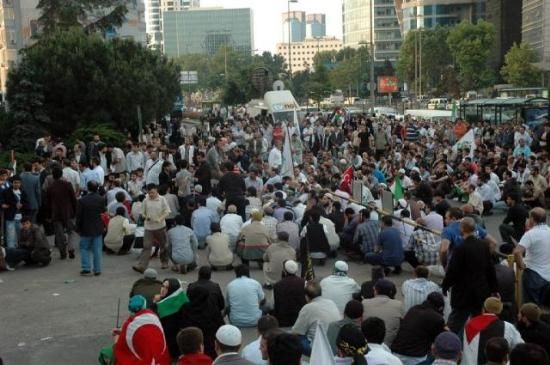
(52, 315)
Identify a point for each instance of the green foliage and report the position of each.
(436, 58)
(91, 15)
(471, 46)
(518, 68)
(105, 132)
(70, 80)
(20, 157)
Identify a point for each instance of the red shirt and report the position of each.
(195, 359)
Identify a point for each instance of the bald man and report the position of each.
(535, 244)
(471, 276)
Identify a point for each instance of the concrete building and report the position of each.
(535, 29)
(504, 14)
(297, 20)
(372, 20)
(134, 28)
(316, 26)
(18, 24)
(416, 14)
(205, 31)
(304, 52)
(153, 17)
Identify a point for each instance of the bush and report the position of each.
(106, 133)
(21, 158)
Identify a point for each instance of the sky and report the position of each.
(267, 14)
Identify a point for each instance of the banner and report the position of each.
(287, 168)
(388, 84)
(467, 141)
(321, 352)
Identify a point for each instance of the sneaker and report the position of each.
(86, 273)
(97, 273)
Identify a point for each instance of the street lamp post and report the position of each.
(289, 38)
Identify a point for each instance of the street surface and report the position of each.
(53, 316)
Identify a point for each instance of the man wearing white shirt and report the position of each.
(98, 170)
(374, 330)
(231, 224)
(135, 159)
(252, 352)
(71, 176)
(339, 287)
(187, 151)
(275, 158)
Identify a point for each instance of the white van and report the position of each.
(437, 103)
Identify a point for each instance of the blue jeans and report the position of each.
(91, 245)
(306, 345)
(535, 288)
(12, 233)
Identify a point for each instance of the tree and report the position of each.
(71, 79)
(92, 15)
(435, 57)
(518, 68)
(471, 46)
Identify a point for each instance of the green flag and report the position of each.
(398, 189)
(172, 303)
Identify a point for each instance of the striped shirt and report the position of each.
(415, 291)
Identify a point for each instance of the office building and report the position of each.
(297, 20)
(304, 52)
(18, 24)
(372, 20)
(134, 28)
(416, 14)
(535, 29)
(205, 31)
(316, 26)
(504, 14)
(153, 17)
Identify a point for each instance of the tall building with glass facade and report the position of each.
(297, 20)
(416, 14)
(316, 26)
(504, 15)
(535, 29)
(376, 20)
(153, 17)
(205, 31)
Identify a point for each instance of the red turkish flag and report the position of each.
(347, 177)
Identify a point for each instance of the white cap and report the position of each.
(198, 188)
(415, 169)
(402, 171)
(229, 335)
(402, 203)
(341, 266)
(291, 267)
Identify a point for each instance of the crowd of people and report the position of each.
(286, 197)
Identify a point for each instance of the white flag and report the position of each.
(287, 169)
(467, 140)
(321, 352)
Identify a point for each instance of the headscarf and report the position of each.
(352, 343)
(173, 285)
(137, 303)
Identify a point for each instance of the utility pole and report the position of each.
(372, 82)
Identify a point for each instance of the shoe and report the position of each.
(138, 269)
(175, 268)
(97, 273)
(268, 286)
(71, 254)
(85, 273)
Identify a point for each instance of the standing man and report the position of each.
(513, 225)
(535, 244)
(471, 275)
(30, 185)
(232, 187)
(90, 227)
(214, 158)
(62, 204)
(155, 210)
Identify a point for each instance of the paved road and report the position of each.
(53, 316)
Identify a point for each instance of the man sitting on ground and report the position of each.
(190, 343)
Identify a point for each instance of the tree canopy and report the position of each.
(519, 69)
(71, 79)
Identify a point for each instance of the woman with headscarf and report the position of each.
(200, 312)
(168, 305)
(352, 346)
(140, 340)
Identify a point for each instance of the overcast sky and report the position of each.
(268, 21)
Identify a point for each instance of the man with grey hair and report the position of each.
(275, 257)
(471, 276)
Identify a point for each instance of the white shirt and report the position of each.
(134, 161)
(213, 204)
(101, 173)
(339, 289)
(72, 176)
(275, 158)
(434, 221)
(536, 242)
(231, 224)
(252, 353)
